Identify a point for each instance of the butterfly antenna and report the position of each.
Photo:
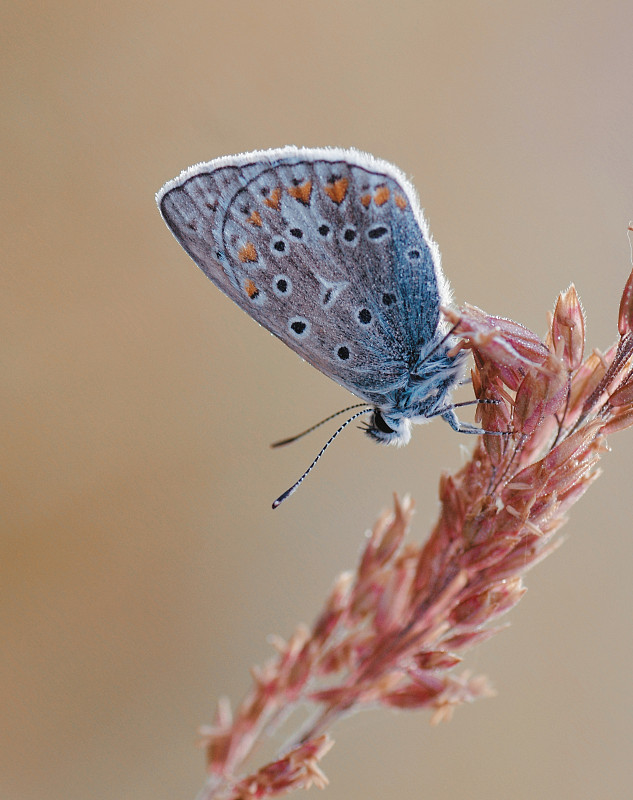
(298, 483)
(283, 442)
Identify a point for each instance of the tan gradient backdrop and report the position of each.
(142, 565)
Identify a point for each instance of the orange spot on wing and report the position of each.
(274, 200)
(255, 219)
(366, 200)
(251, 290)
(247, 253)
(336, 191)
(381, 195)
(400, 202)
(301, 193)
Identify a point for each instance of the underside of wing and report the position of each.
(327, 249)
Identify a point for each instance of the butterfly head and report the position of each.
(388, 428)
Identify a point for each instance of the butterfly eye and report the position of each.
(388, 299)
(343, 353)
(278, 247)
(324, 229)
(414, 254)
(296, 232)
(364, 316)
(380, 423)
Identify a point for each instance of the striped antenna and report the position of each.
(291, 439)
(296, 485)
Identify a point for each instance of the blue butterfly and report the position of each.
(329, 250)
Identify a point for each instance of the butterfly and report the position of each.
(328, 249)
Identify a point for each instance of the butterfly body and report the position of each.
(328, 249)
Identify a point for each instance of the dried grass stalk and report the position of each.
(392, 631)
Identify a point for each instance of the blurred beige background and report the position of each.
(142, 566)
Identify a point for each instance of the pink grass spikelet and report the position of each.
(392, 631)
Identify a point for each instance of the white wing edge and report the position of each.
(351, 156)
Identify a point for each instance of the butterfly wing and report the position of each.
(327, 249)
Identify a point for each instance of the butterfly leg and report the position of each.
(465, 427)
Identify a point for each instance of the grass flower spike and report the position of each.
(394, 630)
